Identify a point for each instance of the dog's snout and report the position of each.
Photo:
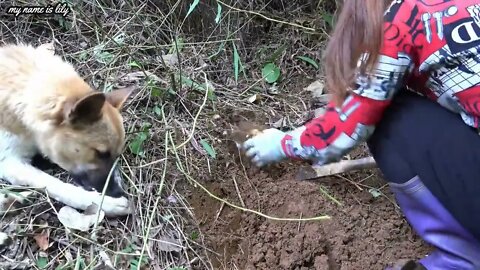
(114, 188)
(96, 179)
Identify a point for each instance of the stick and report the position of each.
(336, 168)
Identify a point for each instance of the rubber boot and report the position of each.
(455, 247)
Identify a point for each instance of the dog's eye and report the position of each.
(103, 154)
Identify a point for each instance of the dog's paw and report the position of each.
(116, 206)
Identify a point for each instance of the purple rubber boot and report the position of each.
(455, 247)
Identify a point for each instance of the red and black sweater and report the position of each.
(431, 47)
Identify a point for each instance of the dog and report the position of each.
(47, 109)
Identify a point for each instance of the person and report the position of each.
(404, 78)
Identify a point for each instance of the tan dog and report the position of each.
(47, 108)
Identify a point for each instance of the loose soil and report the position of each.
(364, 232)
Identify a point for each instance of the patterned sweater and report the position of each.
(431, 47)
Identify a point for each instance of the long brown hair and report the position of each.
(359, 29)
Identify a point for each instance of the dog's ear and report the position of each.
(86, 110)
(118, 97)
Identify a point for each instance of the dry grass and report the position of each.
(169, 122)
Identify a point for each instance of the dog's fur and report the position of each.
(47, 108)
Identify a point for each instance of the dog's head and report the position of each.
(88, 137)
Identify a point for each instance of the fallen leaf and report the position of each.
(106, 259)
(253, 98)
(316, 88)
(197, 146)
(375, 192)
(42, 239)
(73, 219)
(273, 90)
(168, 244)
(140, 75)
(170, 60)
(280, 123)
(171, 199)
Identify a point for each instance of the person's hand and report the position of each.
(265, 148)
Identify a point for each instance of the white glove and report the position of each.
(266, 147)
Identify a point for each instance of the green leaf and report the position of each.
(134, 64)
(211, 95)
(157, 110)
(271, 72)
(375, 192)
(236, 62)
(102, 56)
(83, 55)
(201, 87)
(220, 49)
(193, 5)
(194, 235)
(42, 262)
(108, 88)
(308, 60)
(80, 263)
(208, 148)
(156, 92)
(167, 218)
(178, 42)
(177, 268)
(170, 91)
(145, 127)
(219, 13)
(134, 263)
(128, 249)
(119, 39)
(328, 18)
(136, 145)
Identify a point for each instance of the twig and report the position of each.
(329, 196)
(238, 191)
(219, 211)
(336, 168)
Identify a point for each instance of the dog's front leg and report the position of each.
(20, 173)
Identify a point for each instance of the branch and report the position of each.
(343, 166)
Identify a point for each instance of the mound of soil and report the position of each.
(363, 233)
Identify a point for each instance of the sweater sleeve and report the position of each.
(339, 130)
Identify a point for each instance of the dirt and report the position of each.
(364, 232)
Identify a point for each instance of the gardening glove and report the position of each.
(266, 147)
(273, 145)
